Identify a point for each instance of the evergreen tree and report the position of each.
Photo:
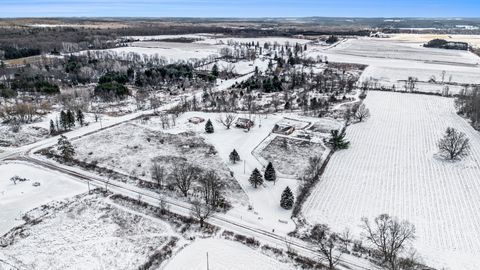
(209, 127)
(215, 72)
(52, 127)
(337, 140)
(63, 120)
(286, 202)
(70, 119)
(256, 178)
(80, 117)
(234, 157)
(270, 174)
(65, 148)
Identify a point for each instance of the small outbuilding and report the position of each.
(196, 120)
(283, 129)
(244, 123)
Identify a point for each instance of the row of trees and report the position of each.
(468, 105)
(388, 236)
(67, 121)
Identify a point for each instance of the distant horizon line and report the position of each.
(237, 18)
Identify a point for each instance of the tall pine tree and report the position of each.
(70, 119)
(63, 120)
(52, 127)
(80, 117)
(234, 157)
(270, 174)
(209, 127)
(65, 148)
(256, 178)
(337, 140)
(286, 202)
(215, 72)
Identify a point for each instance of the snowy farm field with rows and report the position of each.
(392, 166)
(392, 62)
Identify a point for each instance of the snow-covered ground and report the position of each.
(131, 148)
(393, 61)
(473, 40)
(17, 199)
(84, 233)
(223, 255)
(39, 129)
(289, 155)
(260, 40)
(172, 51)
(392, 167)
(265, 200)
(240, 67)
(206, 45)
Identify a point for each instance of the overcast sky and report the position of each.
(240, 8)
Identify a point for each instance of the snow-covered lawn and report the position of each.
(265, 200)
(84, 233)
(17, 199)
(392, 167)
(130, 148)
(223, 255)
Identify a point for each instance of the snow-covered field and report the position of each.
(392, 61)
(206, 46)
(473, 40)
(240, 67)
(400, 50)
(130, 149)
(17, 199)
(392, 167)
(260, 40)
(84, 233)
(223, 255)
(171, 51)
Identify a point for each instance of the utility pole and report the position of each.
(208, 266)
(243, 166)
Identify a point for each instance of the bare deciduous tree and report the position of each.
(226, 119)
(211, 188)
(158, 174)
(390, 237)
(454, 144)
(165, 121)
(362, 113)
(201, 211)
(326, 241)
(183, 176)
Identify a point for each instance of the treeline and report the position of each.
(13, 53)
(21, 42)
(468, 105)
(443, 44)
(29, 41)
